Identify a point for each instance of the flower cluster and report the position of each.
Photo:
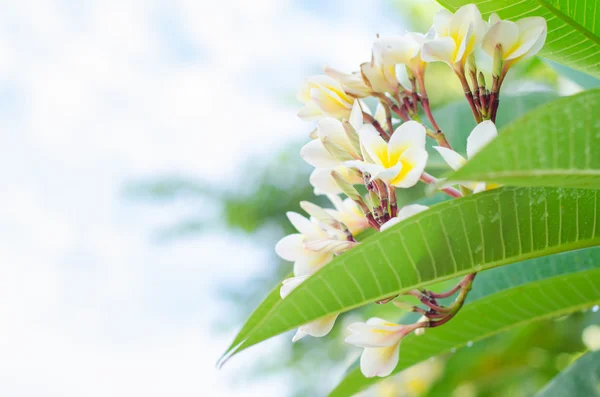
(385, 152)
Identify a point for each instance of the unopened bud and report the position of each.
(497, 61)
(481, 80)
(352, 137)
(345, 186)
(409, 73)
(336, 150)
(374, 199)
(471, 65)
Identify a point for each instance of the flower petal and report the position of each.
(299, 335)
(376, 332)
(356, 116)
(379, 361)
(441, 21)
(323, 182)
(481, 135)
(290, 247)
(329, 245)
(532, 31)
(320, 327)
(311, 262)
(409, 210)
(289, 284)
(389, 224)
(505, 33)
(376, 148)
(439, 50)
(395, 49)
(315, 154)
(413, 164)
(310, 111)
(409, 135)
(453, 159)
(307, 228)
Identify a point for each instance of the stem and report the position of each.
(450, 191)
(369, 119)
(460, 73)
(439, 134)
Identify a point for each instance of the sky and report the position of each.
(97, 94)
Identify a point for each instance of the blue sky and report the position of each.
(95, 94)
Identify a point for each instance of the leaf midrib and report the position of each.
(567, 19)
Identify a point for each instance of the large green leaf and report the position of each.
(573, 27)
(452, 238)
(554, 145)
(580, 379)
(509, 288)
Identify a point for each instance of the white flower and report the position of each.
(380, 77)
(309, 249)
(399, 162)
(347, 212)
(352, 83)
(381, 342)
(521, 39)
(323, 96)
(317, 328)
(457, 35)
(405, 212)
(323, 183)
(481, 135)
(331, 130)
(405, 50)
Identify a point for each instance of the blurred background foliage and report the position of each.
(516, 363)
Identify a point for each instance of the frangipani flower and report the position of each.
(333, 143)
(381, 341)
(405, 212)
(457, 35)
(352, 83)
(405, 50)
(519, 40)
(399, 162)
(309, 249)
(323, 183)
(317, 328)
(380, 77)
(347, 212)
(481, 135)
(324, 96)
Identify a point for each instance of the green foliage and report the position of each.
(573, 27)
(502, 299)
(554, 145)
(489, 229)
(580, 379)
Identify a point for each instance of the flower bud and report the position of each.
(497, 61)
(481, 80)
(346, 187)
(336, 151)
(374, 199)
(471, 65)
(352, 136)
(318, 213)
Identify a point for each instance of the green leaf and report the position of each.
(573, 27)
(453, 238)
(584, 80)
(582, 378)
(554, 145)
(487, 284)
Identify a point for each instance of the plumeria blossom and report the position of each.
(327, 151)
(380, 77)
(405, 212)
(352, 83)
(399, 162)
(324, 96)
(481, 135)
(457, 36)
(331, 133)
(519, 40)
(381, 342)
(311, 248)
(347, 212)
(405, 50)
